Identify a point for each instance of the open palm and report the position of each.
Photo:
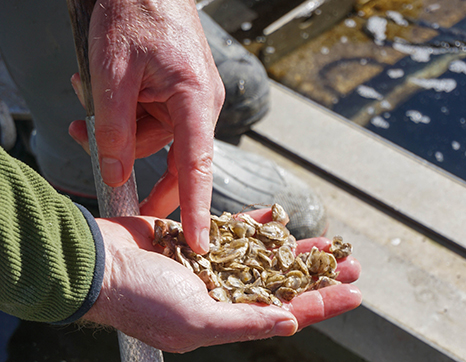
(157, 300)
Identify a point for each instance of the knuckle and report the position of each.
(199, 168)
(202, 166)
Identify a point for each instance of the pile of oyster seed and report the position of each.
(253, 262)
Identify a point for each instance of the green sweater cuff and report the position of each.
(99, 269)
(48, 250)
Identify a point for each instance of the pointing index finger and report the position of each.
(193, 148)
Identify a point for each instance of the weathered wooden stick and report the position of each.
(80, 15)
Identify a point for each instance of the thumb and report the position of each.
(242, 322)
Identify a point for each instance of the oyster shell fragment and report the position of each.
(250, 262)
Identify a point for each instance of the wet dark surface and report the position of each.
(440, 136)
(340, 55)
(443, 140)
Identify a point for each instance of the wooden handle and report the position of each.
(80, 15)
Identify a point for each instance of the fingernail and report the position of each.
(204, 239)
(285, 328)
(112, 170)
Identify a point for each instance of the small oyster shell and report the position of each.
(320, 262)
(179, 257)
(209, 278)
(235, 282)
(295, 280)
(285, 257)
(340, 249)
(285, 294)
(275, 281)
(220, 294)
(323, 282)
(241, 229)
(279, 214)
(273, 232)
(250, 221)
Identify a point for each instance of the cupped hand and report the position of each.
(157, 300)
(153, 81)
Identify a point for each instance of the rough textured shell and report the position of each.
(340, 249)
(279, 214)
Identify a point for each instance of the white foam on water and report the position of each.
(457, 66)
(419, 54)
(455, 145)
(368, 92)
(417, 117)
(439, 85)
(246, 26)
(350, 23)
(395, 73)
(397, 18)
(380, 122)
(439, 156)
(377, 26)
(433, 7)
(386, 105)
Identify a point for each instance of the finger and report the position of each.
(316, 306)
(320, 243)
(243, 322)
(261, 215)
(193, 151)
(78, 87)
(151, 136)
(349, 270)
(154, 128)
(164, 197)
(78, 131)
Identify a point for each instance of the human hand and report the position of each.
(153, 81)
(160, 302)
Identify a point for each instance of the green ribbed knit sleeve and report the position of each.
(47, 250)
